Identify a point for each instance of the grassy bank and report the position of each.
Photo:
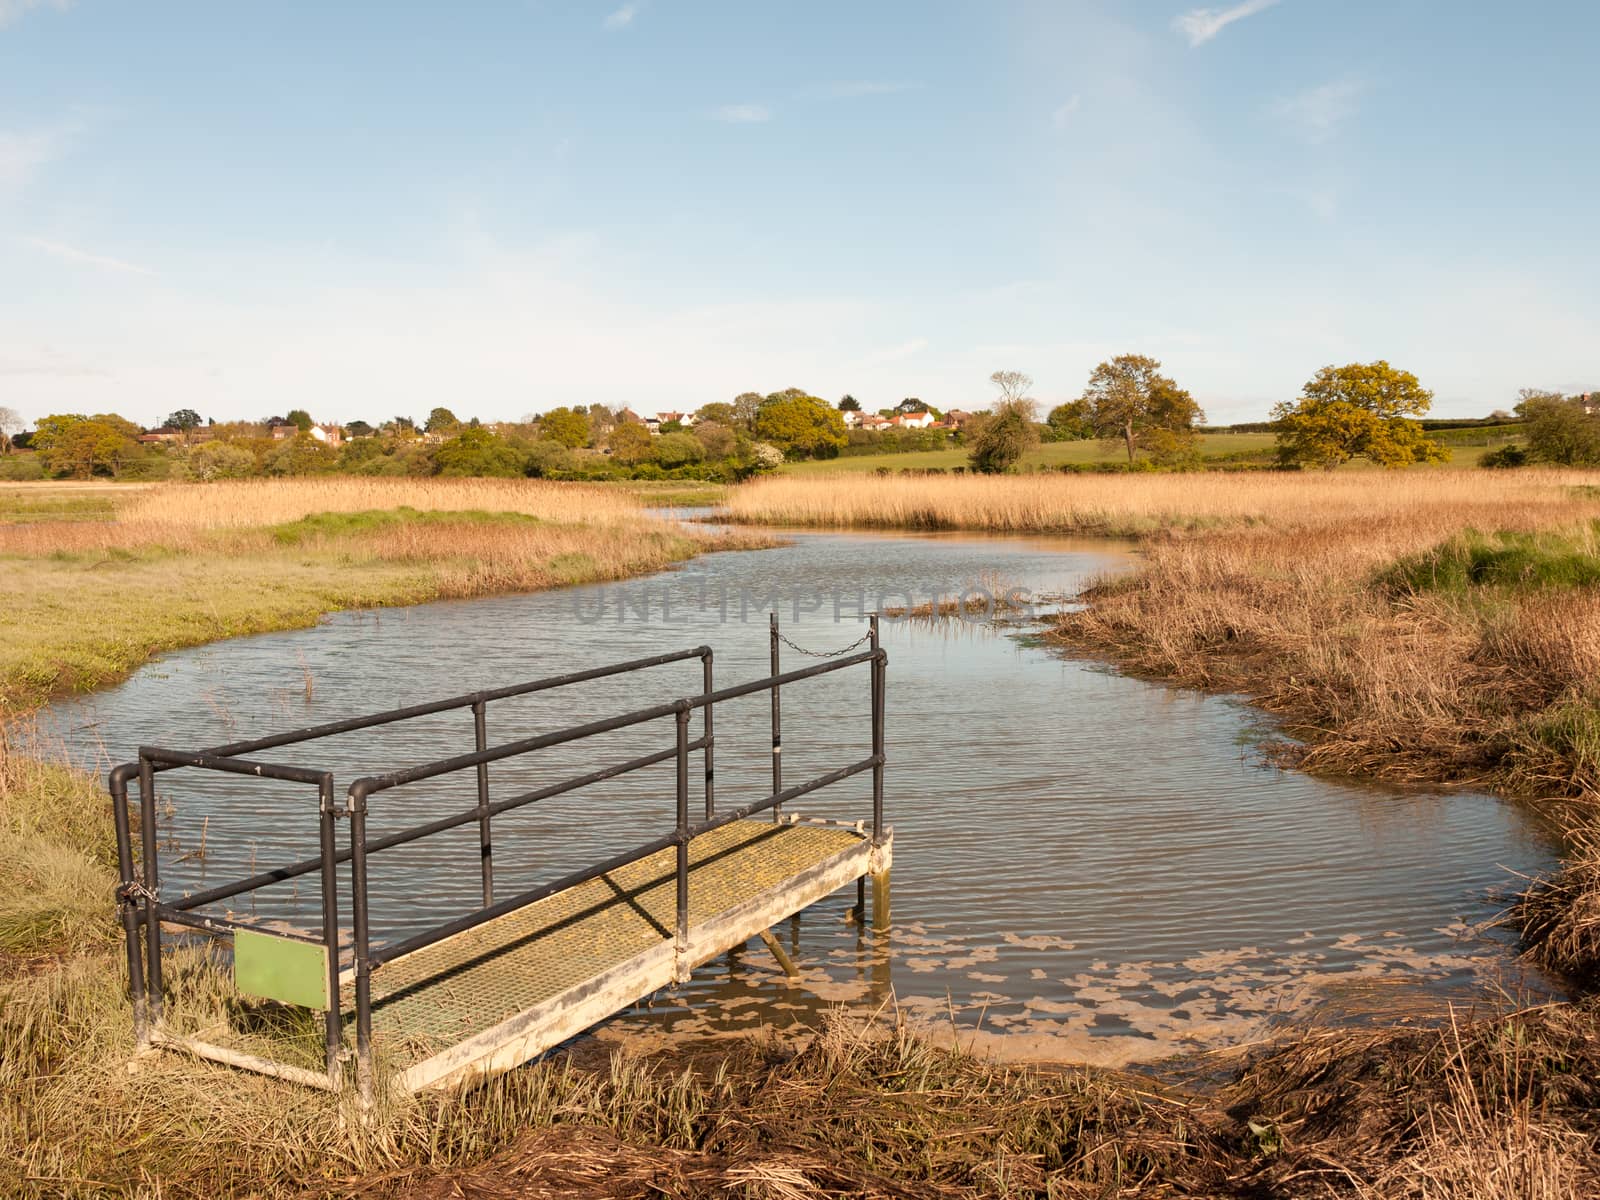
(89, 600)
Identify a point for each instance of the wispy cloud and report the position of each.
(1062, 116)
(889, 354)
(742, 114)
(861, 87)
(73, 254)
(1316, 114)
(622, 18)
(1200, 25)
(15, 10)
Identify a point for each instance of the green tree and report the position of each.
(1004, 436)
(1359, 410)
(1072, 421)
(184, 420)
(717, 413)
(848, 403)
(800, 424)
(717, 439)
(631, 444)
(359, 429)
(745, 406)
(442, 420)
(301, 455)
(1559, 431)
(678, 450)
(76, 446)
(477, 452)
(220, 460)
(567, 426)
(1132, 403)
(547, 458)
(300, 419)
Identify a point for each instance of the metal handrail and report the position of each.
(140, 898)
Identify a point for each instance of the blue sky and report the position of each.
(367, 210)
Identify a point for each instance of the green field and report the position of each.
(1466, 447)
(1216, 446)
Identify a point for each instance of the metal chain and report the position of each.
(128, 893)
(860, 641)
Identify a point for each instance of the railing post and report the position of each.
(485, 843)
(359, 919)
(878, 674)
(333, 1032)
(777, 718)
(708, 686)
(152, 886)
(125, 903)
(682, 934)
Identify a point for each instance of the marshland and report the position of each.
(1073, 1015)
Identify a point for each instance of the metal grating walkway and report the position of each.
(459, 988)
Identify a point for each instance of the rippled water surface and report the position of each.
(1086, 865)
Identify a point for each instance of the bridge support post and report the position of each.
(778, 952)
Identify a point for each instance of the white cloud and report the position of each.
(1317, 113)
(86, 258)
(1200, 25)
(622, 18)
(1063, 115)
(15, 10)
(743, 114)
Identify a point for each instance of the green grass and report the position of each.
(349, 524)
(1214, 447)
(41, 502)
(1546, 559)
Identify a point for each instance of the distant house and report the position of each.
(913, 420)
(685, 419)
(957, 419)
(1590, 402)
(164, 435)
(330, 435)
(873, 421)
(852, 418)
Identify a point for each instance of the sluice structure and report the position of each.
(494, 987)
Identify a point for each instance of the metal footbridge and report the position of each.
(492, 988)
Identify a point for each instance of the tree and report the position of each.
(443, 421)
(1358, 410)
(800, 424)
(1013, 385)
(477, 452)
(716, 438)
(358, 429)
(567, 426)
(717, 413)
(1072, 421)
(745, 405)
(301, 455)
(73, 445)
(220, 460)
(300, 419)
(184, 420)
(546, 458)
(678, 450)
(848, 403)
(1004, 436)
(631, 444)
(1131, 402)
(912, 405)
(1560, 431)
(10, 425)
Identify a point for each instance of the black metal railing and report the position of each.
(143, 911)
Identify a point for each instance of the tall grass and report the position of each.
(1143, 504)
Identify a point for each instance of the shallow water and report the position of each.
(1087, 866)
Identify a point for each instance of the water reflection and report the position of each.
(1086, 865)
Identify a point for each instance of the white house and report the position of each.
(913, 420)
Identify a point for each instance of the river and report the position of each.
(1088, 866)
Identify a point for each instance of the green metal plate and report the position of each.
(280, 968)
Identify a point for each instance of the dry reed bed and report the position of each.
(1142, 504)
